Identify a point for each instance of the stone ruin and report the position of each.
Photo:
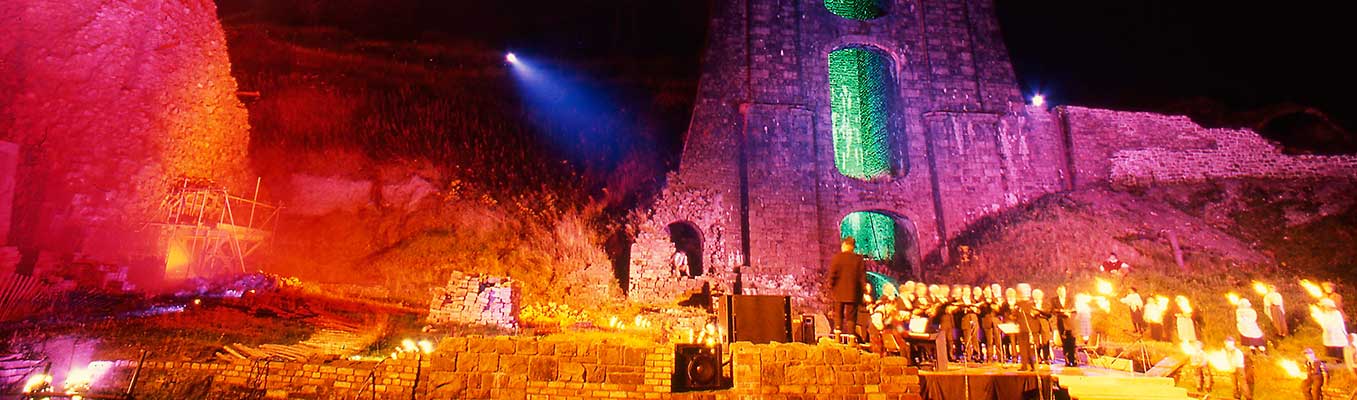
(476, 300)
(900, 125)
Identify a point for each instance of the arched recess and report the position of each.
(860, 10)
(688, 240)
(860, 94)
(884, 237)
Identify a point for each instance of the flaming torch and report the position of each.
(1233, 298)
(1183, 304)
(1104, 287)
(1219, 361)
(1260, 288)
(1292, 368)
(1312, 288)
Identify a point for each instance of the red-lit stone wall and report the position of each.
(112, 103)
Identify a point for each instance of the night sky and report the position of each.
(1212, 61)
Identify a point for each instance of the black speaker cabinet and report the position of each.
(696, 367)
(757, 319)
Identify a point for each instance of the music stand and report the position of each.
(1138, 344)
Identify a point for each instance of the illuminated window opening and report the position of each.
(856, 9)
(873, 232)
(859, 84)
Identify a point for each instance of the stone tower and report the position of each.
(897, 122)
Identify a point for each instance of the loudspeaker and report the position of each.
(696, 367)
(758, 319)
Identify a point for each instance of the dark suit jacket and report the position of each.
(847, 277)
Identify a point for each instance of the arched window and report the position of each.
(873, 232)
(859, 85)
(688, 247)
(856, 9)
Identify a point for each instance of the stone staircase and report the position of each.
(1122, 388)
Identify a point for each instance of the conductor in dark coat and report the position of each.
(847, 278)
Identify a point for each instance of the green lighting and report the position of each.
(874, 233)
(859, 88)
(855, 9)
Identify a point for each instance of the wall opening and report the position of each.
(861, 10)
(860, 90)
(687, 257)
(883, 238)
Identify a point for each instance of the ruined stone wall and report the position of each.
(531, 368)
(476, 299)
(1139, 149)
(112, 103)
(760, 134)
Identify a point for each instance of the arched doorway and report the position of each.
(883, 237)
(688, 242)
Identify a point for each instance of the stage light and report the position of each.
(1038, 100)
(510, 57)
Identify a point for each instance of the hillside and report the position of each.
(1230, 233)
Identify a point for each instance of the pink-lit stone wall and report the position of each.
(112, 103)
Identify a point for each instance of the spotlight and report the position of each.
(1037, 99)
(510, 57)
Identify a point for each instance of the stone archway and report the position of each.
(687, 240)
(885, 237)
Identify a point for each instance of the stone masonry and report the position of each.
(476, 299)
(112, 103)
(758, 180)
(534, 368)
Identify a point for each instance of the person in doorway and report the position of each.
(679, 261)
(847, 281)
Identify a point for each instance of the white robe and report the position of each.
(1246, 321)
(1335, 332)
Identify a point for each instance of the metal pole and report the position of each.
(254, 201)
(135, 374)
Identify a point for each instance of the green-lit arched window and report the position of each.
(859, 84)
(873, 232)
(856, 9)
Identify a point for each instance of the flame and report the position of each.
(1233, 298)
(426, 346)
(1187, 348)
(1103, 303)
(408, 345)
(1219, 361)
(1260, 288)
(1292, 368)
(36, 382)
(177, 259)
(1104, 287)
(1183, 304)
(1317, 314)
(1312, 288)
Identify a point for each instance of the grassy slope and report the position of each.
(1230, 235)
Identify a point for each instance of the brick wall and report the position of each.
(533, 368)
(476, 299)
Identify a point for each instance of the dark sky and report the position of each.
(1151, 55)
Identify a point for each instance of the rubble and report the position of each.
(476, 299)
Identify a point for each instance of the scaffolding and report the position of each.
(203, 236)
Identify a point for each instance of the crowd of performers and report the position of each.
(1022, 325)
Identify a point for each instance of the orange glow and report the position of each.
(177, 260)
(1184, 304)
(1104, 287)
(1311, 288)
(1233, 298)
(1219, 361)
(1260, 288)
(1292, 368)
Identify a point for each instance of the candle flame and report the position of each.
(1312, 288)
(1292, 368)
(1260, 288)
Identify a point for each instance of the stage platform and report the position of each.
(1004, 381)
